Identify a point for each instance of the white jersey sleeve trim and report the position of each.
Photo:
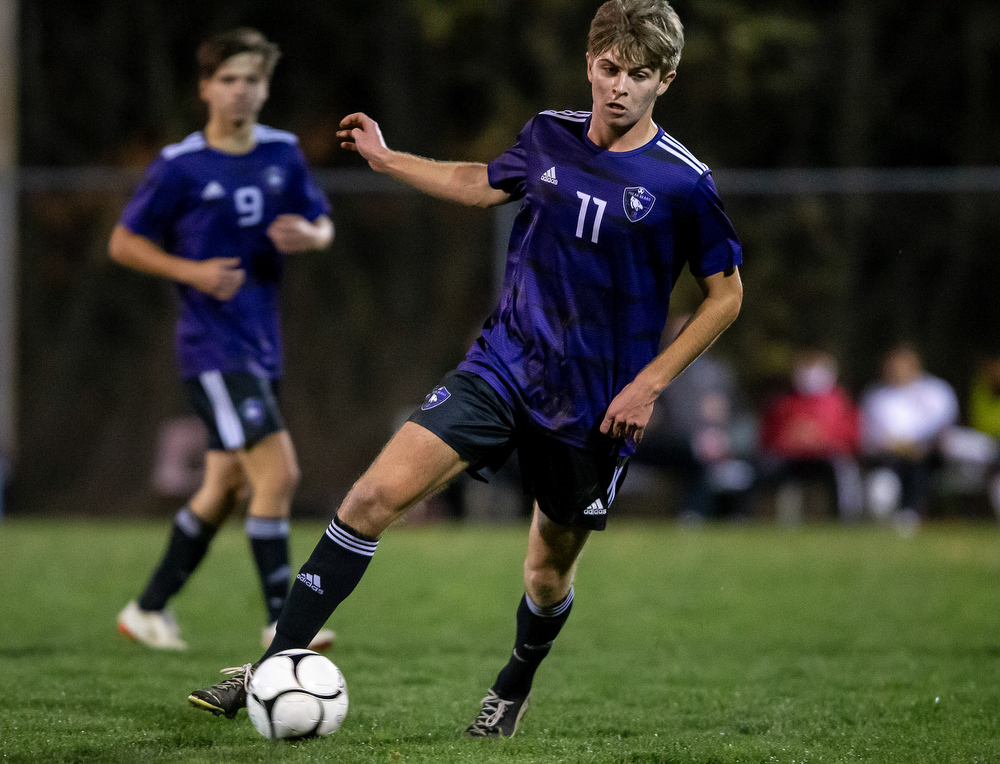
(569, 116)
(194, 142)
(678, 149)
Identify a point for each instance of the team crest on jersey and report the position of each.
(252, 410)
(274, 179)
(436, 397)
(637, 202)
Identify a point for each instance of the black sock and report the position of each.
(189, 540)
(330, 574)
(269, 543)
(537, 627)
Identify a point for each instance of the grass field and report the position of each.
(718, 644)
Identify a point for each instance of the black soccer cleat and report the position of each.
(228, 696)
(498, 717)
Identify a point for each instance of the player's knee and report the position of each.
(545, 586)
(232, 482)
(376, 495)
(285, 480)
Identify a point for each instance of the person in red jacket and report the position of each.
(813, 430)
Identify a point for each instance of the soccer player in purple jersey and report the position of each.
(567, 368)
(216, 214)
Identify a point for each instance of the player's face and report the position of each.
(624, 93)
(237, 90)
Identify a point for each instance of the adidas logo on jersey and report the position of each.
(213, 190)
(549, 176)
(310, 580)
(597, 508)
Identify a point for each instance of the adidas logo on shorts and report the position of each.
(597, 508)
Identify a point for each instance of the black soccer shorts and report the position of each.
(573, 486)
(239, 408)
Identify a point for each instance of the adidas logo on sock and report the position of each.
(310, 580)
(549, 176)
(597, 508)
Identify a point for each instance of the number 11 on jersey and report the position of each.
(582, 219)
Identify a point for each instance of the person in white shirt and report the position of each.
(902, 419)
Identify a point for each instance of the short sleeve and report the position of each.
(153, 208)
(304, 197)
(714, 246)
(509, 171)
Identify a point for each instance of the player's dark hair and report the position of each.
(217, 49)
(644, 32)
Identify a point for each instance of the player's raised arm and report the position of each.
(630, 410)
(220, 277)
(463, 182)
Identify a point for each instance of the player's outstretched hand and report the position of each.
(359, 132)
(629, 412)
(219, 277)
(292, 233)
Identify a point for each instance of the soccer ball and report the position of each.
(297, 693)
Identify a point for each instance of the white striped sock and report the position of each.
(551, 611)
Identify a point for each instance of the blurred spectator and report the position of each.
(984, 398)
(984, 417)
(902, 420)
(179, 464)
(699, 434)
(812, 432)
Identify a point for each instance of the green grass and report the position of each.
(721, 644)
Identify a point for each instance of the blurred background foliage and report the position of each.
(371, 325)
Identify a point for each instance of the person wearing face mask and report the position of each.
(809, 432)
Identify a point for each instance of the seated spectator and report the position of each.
(812, 432)
(984, 416)
(984, 398)
(697, 433)
(902, 420)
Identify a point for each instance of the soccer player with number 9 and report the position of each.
(216, 214)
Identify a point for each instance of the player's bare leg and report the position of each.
(415, 464)
(146, 620)
(272, 468)
(412, 466)
(549, 568)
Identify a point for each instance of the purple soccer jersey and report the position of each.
(599, 241)
(199, 203)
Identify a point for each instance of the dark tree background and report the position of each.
(372, 324)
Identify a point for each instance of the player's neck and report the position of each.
(231, 137)
(608, 137)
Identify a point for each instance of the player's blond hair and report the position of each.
(644, 32)
(215, 50)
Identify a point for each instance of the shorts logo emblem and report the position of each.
(597, 508)
(252, 410)
(436, 397)
(637, 202)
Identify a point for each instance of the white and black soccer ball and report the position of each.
(297, 693)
